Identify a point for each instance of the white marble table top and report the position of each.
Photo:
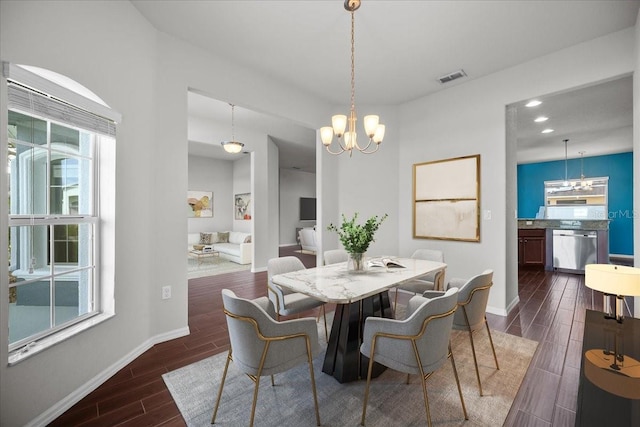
(333, 283)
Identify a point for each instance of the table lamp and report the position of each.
(613, 280)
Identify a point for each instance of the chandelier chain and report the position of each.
(233, 134)
(353, 63)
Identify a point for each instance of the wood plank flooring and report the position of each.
(551, 311)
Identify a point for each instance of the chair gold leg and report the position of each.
(224, 376)
(491, 341)
(455, 373)
(408, 378)
(395, 303)
(475, 360)
(423, 381)
(366, 389)
(273, 381)
(313, 380)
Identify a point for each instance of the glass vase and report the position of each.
(356, 263)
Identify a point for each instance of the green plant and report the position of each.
(355, 238)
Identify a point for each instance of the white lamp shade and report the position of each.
(613, 279)
(339, 123)
(370, 125)
(378, 136)
(232, 147)
(326, 134)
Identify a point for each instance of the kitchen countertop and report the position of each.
(564, 224)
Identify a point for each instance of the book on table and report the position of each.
(385, 262)
(207, 248)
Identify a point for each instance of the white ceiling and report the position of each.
(306, 43)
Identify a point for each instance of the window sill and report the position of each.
(39, 346)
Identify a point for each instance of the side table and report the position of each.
(609, 390)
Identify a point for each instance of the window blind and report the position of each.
(30, 101)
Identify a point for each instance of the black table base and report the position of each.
(343, 359)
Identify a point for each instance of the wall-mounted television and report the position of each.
(307, 208)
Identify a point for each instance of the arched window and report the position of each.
(57, 133)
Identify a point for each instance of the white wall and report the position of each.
(470, 119)
(114, 56)
(242, 185)
(368, 184)
(293, 185)
(216, 175)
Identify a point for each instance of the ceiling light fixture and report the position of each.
(541, 119)
(347, 141)
(533, 103)
(232, 146)
(547, 130)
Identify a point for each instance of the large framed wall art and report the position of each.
(446, 199)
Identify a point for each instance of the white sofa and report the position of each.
(238, 248)
(307, 237)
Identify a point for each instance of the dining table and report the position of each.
(357, 295)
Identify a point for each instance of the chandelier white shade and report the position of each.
(344, 127)
(232, 146)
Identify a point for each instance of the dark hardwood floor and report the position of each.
(551, 311)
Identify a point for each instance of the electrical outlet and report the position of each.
(166, 292)
(487, 214)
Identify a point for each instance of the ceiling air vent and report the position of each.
(452, 76)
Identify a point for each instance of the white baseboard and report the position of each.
(74, 397)
(502, 311)
(258, 270)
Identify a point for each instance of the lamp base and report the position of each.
(613, 307)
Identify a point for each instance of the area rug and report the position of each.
(211, 266)
(392, 402)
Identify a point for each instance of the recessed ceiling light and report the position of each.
(533, 103)
(547, 131)
(541, 119)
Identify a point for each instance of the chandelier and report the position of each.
(343, 127)
(232, 146)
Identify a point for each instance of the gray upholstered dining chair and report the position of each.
(285, 301)
(334, 256)
(473, 295)
(262, 346)
(419, 344)
(428, 282)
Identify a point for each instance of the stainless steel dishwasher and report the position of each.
(573, 249)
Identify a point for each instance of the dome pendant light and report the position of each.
(232, 146)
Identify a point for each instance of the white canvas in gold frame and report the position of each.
(446, 199)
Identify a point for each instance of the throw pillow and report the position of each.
(223, 237)
(215, 238)
(205, 238)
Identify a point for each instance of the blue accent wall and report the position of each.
(619, 169)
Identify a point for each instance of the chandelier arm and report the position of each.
(366, 147)
(372, 151)
(336, 152)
